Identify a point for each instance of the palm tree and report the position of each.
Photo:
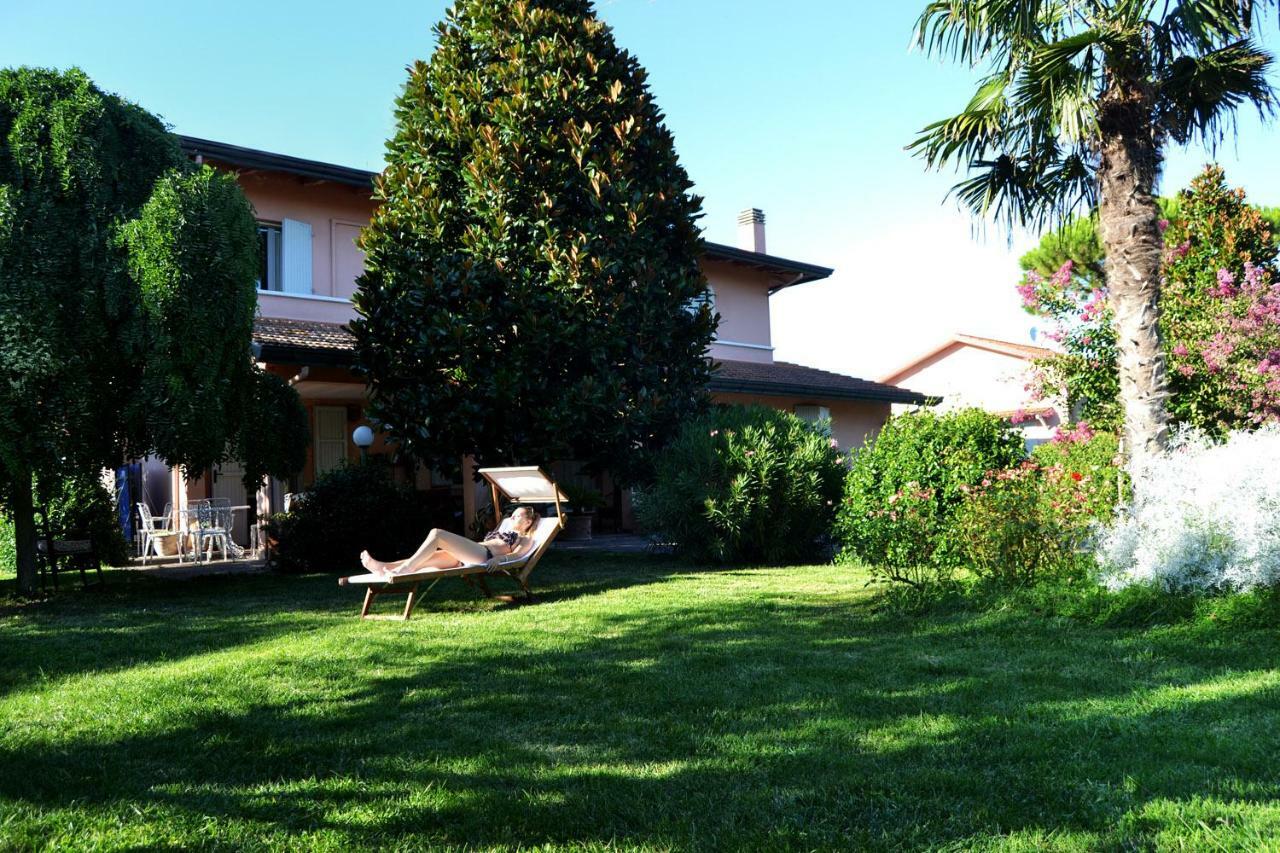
(1078, 101)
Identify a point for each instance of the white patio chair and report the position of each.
(154, 529)
(213, 528)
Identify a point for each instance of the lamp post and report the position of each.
(363, 438)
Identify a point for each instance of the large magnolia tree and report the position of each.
(1078, 103)
(532, 278)
(127, 299)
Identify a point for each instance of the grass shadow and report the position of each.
(725, 710)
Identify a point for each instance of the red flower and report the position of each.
(1077, 476)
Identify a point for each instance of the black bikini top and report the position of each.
(506, 537)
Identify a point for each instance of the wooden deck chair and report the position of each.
(526, 484)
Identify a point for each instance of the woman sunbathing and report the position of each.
(444, 550)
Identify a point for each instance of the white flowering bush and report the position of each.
(1205, 518)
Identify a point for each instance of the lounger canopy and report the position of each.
(523, 484)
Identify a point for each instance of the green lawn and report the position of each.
(639, 704)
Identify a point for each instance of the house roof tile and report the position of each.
(784, 378)
(303, 341)
(786, 271)
(312, 342)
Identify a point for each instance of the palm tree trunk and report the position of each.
(1130, 225)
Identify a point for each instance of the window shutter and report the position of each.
(813, 414)
(296, 237)
(707, 297)
(330, 438)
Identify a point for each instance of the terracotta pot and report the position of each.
(166, 544)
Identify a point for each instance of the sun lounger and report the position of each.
(521, 485)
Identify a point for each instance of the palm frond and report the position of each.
(967, 135)
(1070, 184)
(1200, 95)
(1003, 188)
(1026, 191)
(955, 27)
(1060, 83)
(1200, 25)
(973, 30)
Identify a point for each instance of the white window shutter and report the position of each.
(296, 239)
(330, 438)
(813, 414)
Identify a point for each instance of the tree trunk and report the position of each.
(24, 532)
(1130, 226)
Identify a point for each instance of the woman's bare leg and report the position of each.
(460, 549)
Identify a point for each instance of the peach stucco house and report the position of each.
(967, 370)
(310, 214)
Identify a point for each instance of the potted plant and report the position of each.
(581, 511)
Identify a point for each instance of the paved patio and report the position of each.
(614, 543)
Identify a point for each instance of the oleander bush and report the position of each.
(904, 488)
(1026, 525)
(1092, 476)
(349, 510)
(1205, 517)
(1033, 523)
(745, 484)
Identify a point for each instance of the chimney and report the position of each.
(751, 230)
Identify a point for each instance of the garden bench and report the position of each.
(61, 552)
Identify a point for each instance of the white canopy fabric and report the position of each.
(526, 484)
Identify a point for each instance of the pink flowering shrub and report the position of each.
(1031, 523)
(1011, 535)
(1220, 306)
(1084, 369)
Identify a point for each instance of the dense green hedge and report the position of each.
(349, 510)
(83, 504)
(745, 485)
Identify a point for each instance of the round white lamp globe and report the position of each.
(363, 436)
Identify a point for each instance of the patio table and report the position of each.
(187, 524)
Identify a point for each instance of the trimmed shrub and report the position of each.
(80, 505)
(904, 488)
(745, 484)
(1205, 517)
(348, 510)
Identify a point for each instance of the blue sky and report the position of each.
(801, 108)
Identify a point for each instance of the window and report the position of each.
(329, 439)
(708, 298)
(270, 271)
(286, 257)
(819, 416)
